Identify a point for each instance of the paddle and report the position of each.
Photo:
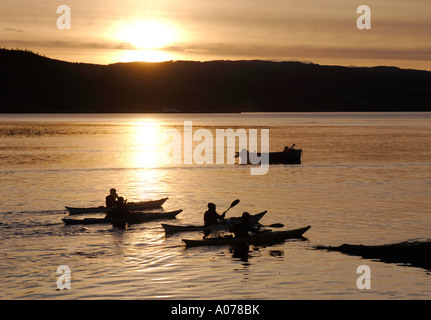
(276, 225)
(233, 204)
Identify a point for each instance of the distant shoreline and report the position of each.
(217, 113)
(31, 83)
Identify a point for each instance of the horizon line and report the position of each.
(214, 60)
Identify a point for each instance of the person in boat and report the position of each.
(288, 149)
(120, 209)
(242, 229)
(111, 199)
(211, 217)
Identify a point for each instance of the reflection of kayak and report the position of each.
(137, 217)
(133, 206)
(264, 237)
(224, 225)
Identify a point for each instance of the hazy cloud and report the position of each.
(13, 30)
(241, 29)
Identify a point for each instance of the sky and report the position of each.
(322, 32)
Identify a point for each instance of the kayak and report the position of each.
(138, 217)
(224, 225)
(263, 237)
(133, 206)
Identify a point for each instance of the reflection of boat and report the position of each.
(265, 237)
(289, 155)
(224, 225)
(137, 217)
(133, 206)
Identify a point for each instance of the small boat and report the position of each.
(133, 206)
(265, 237)
(138, 217)
(224, 225)
(289, 155)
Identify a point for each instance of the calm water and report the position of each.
(365, 178)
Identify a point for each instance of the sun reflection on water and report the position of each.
(148, 143)
(147, 155)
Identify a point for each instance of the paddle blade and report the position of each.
(276, 225)
(234, 203)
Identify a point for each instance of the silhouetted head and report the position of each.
(113, 192)
(245, 216)
(120, 200)
(211, 206)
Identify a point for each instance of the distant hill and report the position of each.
(33, 83)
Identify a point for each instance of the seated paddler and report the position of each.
(211, 217)
(111, 199)
(241, 229)
(120, 209)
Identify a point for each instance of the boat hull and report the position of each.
(138, 217)
(227, 224)
(262, 238)
(292, 156)
(133, 206)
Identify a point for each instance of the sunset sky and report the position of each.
(323, 32)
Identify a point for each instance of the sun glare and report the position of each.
(147, 40)
(145, 35)
(144, 55)
(147, 143)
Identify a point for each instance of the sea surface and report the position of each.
(365, 178)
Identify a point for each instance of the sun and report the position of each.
(145, 40)
(146, 35)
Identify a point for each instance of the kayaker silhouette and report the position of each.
(111, 199)
(120, 209)
(211, 217)
(241, 229)
(119, 214)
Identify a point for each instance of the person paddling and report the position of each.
(241, 229)
(120, 209)
(211, 217)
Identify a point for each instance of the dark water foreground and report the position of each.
(413, 253)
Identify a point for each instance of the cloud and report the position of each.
(13, 30)
(67, 44)
(307, 51)
(210, 51)
(195, 50)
